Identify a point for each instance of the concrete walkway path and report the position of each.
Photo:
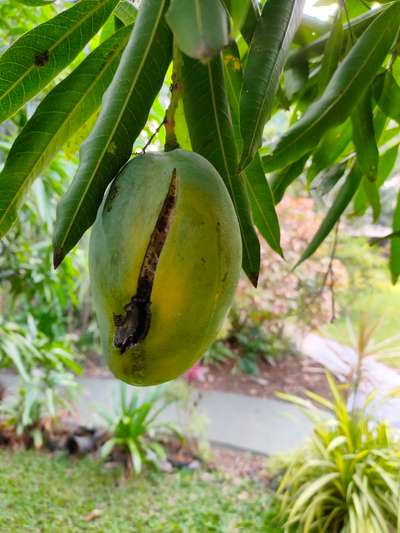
(260, 425)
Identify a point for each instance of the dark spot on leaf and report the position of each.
(42, 58)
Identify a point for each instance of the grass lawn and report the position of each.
(39, 493)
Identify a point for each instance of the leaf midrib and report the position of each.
(133, 86)
(18, 193)
(228, 173)
(51, 48)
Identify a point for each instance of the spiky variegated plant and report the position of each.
(347, 479)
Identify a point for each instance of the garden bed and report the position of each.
(293, 374)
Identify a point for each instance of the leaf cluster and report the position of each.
(235, 64)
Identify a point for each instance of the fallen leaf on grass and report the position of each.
(93, 515)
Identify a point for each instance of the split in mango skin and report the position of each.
(165, 258)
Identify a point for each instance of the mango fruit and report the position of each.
(165, 257)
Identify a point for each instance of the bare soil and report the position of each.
(294, 375)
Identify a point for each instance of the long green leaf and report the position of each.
(394, 260)
(245, 15)
(332, 53)
(262, 204)
(266, 58)
(259, 192)
(332, 145)
(35, 2)
(212, 136)
(364, 137)
(126, 12)
(233, 82)
(340, 203)
(64, 110)
(343, 92)
(280, 181)
(387, 162)
(126, 106)
(357, 26)
(372, 195)
(388, 95)
(200, 27)
(328, 178)
(37, 57)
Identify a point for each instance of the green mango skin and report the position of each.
(197, 272)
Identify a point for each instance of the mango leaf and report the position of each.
(357, 27)
(372, 195)
(211, 133)
(328, 178)
(364, 138)
(266, 58)
(29, 64)
(233, 82)
(332, 53)
(386, 164)
(310, 28)
(332, 145)
(126, 12)
(200, 27)
(394, 260)
(35, 2)
(343, 92)
(250, 22)
(280, 181)
(360, 203)
(244, 14)
(342, 200)
(63, 111)
(262, 204)
(124, 112)
(387, 93)
(258, 189)
(295, 79)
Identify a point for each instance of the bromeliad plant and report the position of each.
(235, 64)
(135, 426)
(347, 479)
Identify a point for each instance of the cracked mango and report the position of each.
(165, 258)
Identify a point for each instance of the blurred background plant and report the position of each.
(30, 417)
(264, 322)
(136, 428)
(347, 477)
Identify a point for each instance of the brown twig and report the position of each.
(153, 136)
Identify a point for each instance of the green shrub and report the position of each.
(32, 413)
(347, 478)
(135, 426)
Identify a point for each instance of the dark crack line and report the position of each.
(133, 326)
